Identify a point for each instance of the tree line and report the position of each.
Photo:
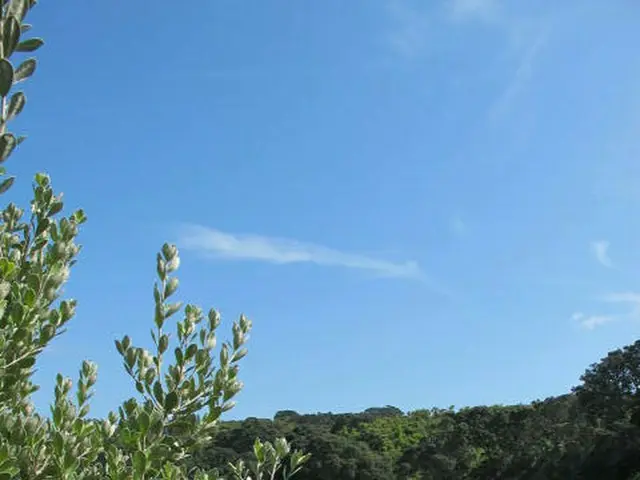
(592, 432)
(188, 378)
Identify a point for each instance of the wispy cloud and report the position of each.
(420, 27)
(521, 76)
(224, 245)
(590, 322)
(526, 43)
(630, 300)
(600, 250)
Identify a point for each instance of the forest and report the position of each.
(593, 432)
(186, 381)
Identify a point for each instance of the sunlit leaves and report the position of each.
(178, 404)
(6, 184)
(19, 8)
(30, 45)
(16, 104)
(10, 35)
(24, 70)
(7, 143)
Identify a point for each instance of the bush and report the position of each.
(180, 403)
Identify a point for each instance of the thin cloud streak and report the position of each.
(281, 251)
(631, 299)
(521, 77)
(589, 322)
(419, 27)
(600, 250)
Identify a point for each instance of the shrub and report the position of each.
(179, 404)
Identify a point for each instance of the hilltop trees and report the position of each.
(188, 380)
(591, 433)
(610, 388)
(183, 390)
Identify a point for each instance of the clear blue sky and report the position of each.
(417, 203)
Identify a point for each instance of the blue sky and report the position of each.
(417, 203)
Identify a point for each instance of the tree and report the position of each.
(334, 457)
(180, 402)
(610, 389)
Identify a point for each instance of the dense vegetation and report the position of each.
(185, 381)
(591, 433)
(188, 379)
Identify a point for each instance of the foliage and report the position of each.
(610, 389)
(556, 438)
(182, 391)
(188, 379)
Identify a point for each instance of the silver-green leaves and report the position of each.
(12, 14)
(16, 103)
(24, 70)
(30, 45)
(19, 8)
(7, 143)
(183, 384)
(10, 36)
(269, 460)
(6, 77)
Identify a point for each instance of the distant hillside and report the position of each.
(591, 433)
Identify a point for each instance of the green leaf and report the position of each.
(171, 401)
(56, 207)
(144, 422)
(164, 343)
(172, 309)
(25, 70)
(150, 376)
(6, 77)
(30, 45)
(16, 104)
(10, 35)
(158, 392)
(258, 450)
(191, 350)
(139, 463)
(58, 441)
(79, 216)
(179, 356)
(46, 334)
(30, 298)
(239, 355)
(8, 472)
(7, 267)
(130, 358)
(19, 8)
(42, 179)
(171, 287)
(70, 464)
(6, 184)
(27, 362)
(7, 144)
